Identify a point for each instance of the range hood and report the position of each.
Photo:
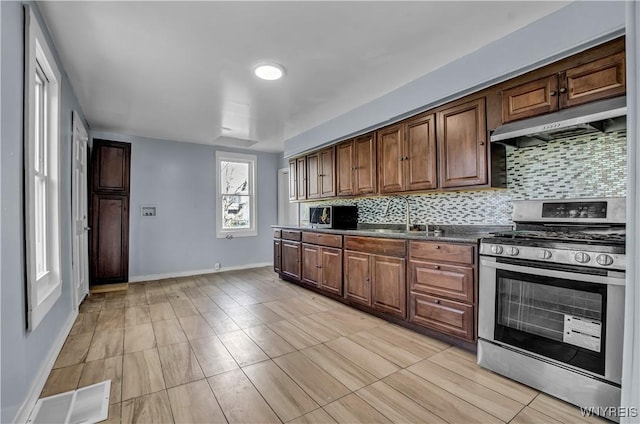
(601, 116)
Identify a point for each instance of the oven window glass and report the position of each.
(560, 319)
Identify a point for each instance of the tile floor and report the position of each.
(247, 347)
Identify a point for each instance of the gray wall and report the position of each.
(179, 178)
(560, 34)
(24, 353)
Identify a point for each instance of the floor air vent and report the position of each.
(83, 406)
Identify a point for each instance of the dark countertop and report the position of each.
(450, 233)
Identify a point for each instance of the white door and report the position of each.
(79, 205)
(287, 211)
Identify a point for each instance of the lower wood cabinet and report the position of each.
(322, 267)
(291, 255)
(110, 239)
(443, 315)
(357, 277)
(277, 255)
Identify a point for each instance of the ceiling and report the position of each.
(183, 70)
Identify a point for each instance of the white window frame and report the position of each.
(44, 287)
(252, 160)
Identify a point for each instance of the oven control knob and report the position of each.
(582, 257)
(604, 260)
(545, 254)
(496, 250)
(513, 251)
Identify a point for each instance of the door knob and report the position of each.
(87, 228)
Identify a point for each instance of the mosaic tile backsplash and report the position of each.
(587, 166)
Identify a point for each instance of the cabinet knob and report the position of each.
(552, 93)
(563, 90)
(481, 143)
(437, 301)
(437, 246)
(436, 267)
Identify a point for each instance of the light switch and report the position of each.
(149, 211)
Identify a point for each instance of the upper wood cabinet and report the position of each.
(320, 174)
(595, 80)
(293, 179)
(301, 178)
(356, 166)
(462, 144)
(407, 155)
(111, 164)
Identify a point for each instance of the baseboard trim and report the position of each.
(36, 388)
(151, 277)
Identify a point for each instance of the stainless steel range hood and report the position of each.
(602, 116)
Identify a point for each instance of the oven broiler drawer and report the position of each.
(442, 315)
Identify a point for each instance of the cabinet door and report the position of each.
(301, 178)
(462, 147)
(357, 277)
(291, 259)
(596, 80)
(313, 177)
(365, 164)
(109, 239)
(531, 99)
(327, 177)
(111, 160)
(277, 258)
(420, 157)
(389, 285)
(293, 180)
(345, 168)
(391, 157)
(331, 266)
(446, 316)
(310, 264)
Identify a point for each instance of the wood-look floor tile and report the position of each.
(244, 299)
(418, 344)
(509, 388)
(195, 327)
(319, 416)
(211, 291)
(220, 321)
(137, 299)
(74, 351)
(62, 380)
(352, 409)
(101, 370)
(476, 394)
(396, 406)
(283, 309)
(111, 304)
(561, 411)
(242, 317)
(115, 411)
(85, 323)
(93, 303)
(243, 350)
(168, 332)
(137, 315)
(152, 408)
(438, 401)
(212, 356)
(347, 322)
(320, 385)
(139, 337)
(271, 343)
(339, 367)
(141, 374)
(224, 301)
(161, 312)
(204, 304)
(106, 343)
(284, 396)
(110, 319)
(195, 403)
(293, 335)
(194, 293)
(179, 364)
(263, 313)
(156, 296)
(311, 325)
(239, 400)
(389, 351)
(532, 416)
(183, 307)
(364, 358)
(469, 356)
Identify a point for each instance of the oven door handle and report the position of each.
(613, 278)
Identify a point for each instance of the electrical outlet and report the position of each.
(217, 266)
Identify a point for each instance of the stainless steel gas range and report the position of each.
(551, 301)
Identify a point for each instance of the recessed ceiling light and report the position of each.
(269, 71)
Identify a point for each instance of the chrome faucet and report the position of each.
(408, 217)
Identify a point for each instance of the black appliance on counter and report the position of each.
(336, 217)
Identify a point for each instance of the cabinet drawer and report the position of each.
(376, 246)
(291, 235)
(447, 252)
(277, 233)
(331, 240)
(446, 316)
(450, 281)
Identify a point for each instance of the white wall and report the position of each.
(179, 178)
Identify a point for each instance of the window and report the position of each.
(236, 199)
(41, 173)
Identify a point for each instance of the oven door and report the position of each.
(571, 315)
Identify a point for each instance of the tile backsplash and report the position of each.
(594, 165)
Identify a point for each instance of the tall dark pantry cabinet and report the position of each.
(109, 247)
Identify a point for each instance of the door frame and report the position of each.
(80, 251)
(288, 212)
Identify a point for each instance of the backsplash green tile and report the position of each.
(578, 167)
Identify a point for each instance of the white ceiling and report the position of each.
(183, 70)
